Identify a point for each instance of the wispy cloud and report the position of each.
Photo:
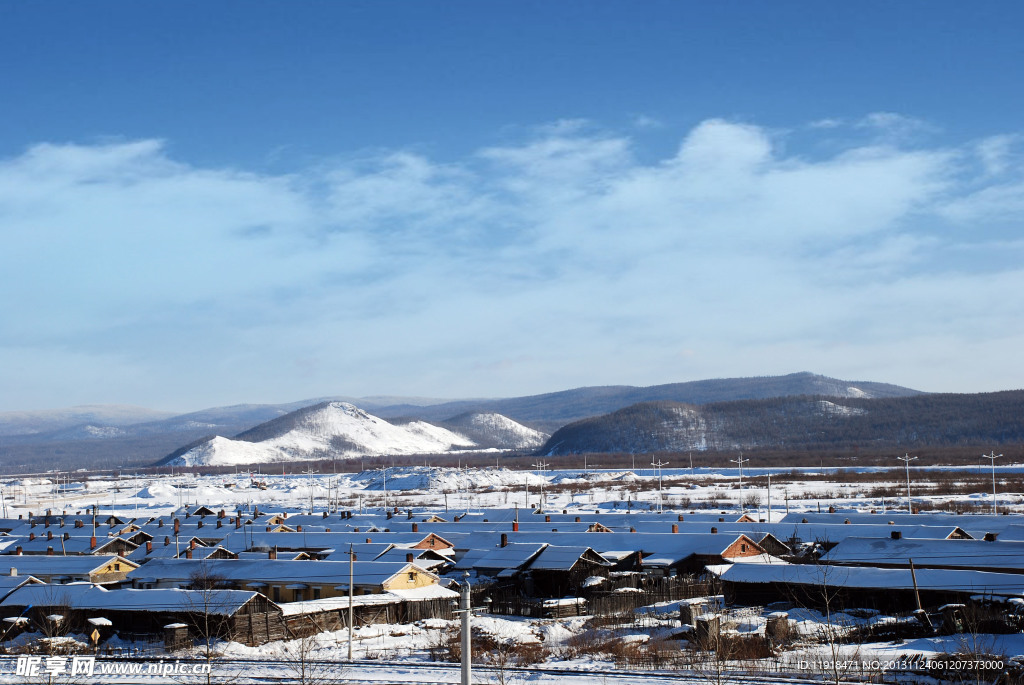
(554, 261)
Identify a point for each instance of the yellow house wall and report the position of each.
(402, 581)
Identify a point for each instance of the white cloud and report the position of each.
(557, 261)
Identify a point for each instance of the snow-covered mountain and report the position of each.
(488, 429)
(339, 430)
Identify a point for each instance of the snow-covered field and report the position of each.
(559, 647)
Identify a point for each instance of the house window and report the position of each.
(117, 567)
(276, 592)
(316, 593)
(298, 596)
(431, 542)
(412, 576)
(743, 547)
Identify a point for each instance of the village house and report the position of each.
(70, 569)
(284, 581)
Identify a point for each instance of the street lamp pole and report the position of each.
(542, 465)
(993, 458)
(658, 464)
(906, 459)
(740, 461)
(351, 593)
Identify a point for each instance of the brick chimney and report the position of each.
(221, 514)
(92, 542)
(368, 540)
(547, 519)
(408, 558)
(714, 530)
(675, 527)
(31, 536)
(17, 551)
(167, 540)
(188, 553)
(49, 535)
(177, 526)
(272, 554)
(504, 539)
(515, 526)
(298, 529)
(991, 537)
(895, 535)
(149, 547)
(415, 528)
(49, 551)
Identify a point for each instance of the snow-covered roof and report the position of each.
(421, 594)
(512, 556)
(997, 554)
(980, 582)
(558, 558)
(274, 571)
(94, 597)
(44, 565)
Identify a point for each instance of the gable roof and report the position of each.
(89, 596)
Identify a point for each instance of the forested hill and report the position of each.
(800, 423)
(554, 410)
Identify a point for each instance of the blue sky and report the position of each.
(215, 203)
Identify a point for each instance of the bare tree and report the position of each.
(209, 610)
(55, 616)
(825, 595)
(298, 656)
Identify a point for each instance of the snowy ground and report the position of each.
(400, 653)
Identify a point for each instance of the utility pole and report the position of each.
(769, 496)
(993, 457)
(740, 461)
(467, 653)
(906, 459)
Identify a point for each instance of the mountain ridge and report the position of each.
(799, 423)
